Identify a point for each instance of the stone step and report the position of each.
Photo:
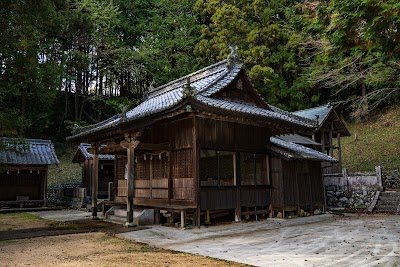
(390, 194)
(140, 217)
(384, 206)
(389, 202)
(386, 211)
(116, 219)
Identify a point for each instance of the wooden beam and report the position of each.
(120, 148)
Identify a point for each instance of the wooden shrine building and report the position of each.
(329, 127)
(105, 170)
(205, 143)
(23, 170)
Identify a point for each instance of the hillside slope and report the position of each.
(378, 142)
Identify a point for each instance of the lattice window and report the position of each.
(160, 167)
(142, 168)
(182, 163)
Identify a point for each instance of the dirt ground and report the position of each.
(82, 249)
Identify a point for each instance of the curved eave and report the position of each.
(222, 107)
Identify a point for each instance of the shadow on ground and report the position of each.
(69, 227)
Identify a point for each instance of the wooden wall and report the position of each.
(106, 175)
(296, 185)
(22, 184)
(169, 180)
(231, 136)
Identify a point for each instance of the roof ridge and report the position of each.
(307, 109)
(28, 140)
(183, 79)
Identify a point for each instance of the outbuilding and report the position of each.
(24, 167)
(105, 170)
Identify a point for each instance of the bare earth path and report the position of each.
(97, 246)
(327, 240)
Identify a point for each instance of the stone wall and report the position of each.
(71, 195)
(391, 179)
(352, 190)
(359, 199)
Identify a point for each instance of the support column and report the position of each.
(339, 152)
(45, 187)
(130, 143)
(95, 180)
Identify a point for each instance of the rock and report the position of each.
(344, 200)
(339, 204)
(317, 212)
(301, 213)
(365, 192)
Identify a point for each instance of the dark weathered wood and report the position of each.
(95, 179)
(132, 143)
(45, 187)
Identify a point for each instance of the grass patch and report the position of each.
(21, 216)
(378, 142)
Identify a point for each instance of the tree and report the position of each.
(360, 54)
(270, 37)
(29, 68)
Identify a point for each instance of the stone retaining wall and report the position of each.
(391, 179)
(67, 195)
(352, 190)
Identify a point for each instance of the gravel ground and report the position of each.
(325, 240)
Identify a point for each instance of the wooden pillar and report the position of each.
(331, 140)
(208, 217)
(339, 152)
(238, 209)
(183, 219)
(95, 180)
(45, 187)
(196, 176)
(130, 143)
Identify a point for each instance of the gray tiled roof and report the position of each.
(292, 150)
(28, 152)
(246, 108)
(322, 112)
(84, 147)
(298, 139)
(205, 84)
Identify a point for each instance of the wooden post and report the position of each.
(238, 209)
(208, 217)
(130, 143)
(95, 180)
(45, 187)
(331, 140)
(339, 152)
(183, 219)
(196, 176)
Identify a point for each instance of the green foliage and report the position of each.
(360, 54)
(270, 41)
(67, 172)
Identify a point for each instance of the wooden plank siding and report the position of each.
(296, 185)
(22, 183)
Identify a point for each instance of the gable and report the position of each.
(241, 90)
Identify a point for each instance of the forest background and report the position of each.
(68, 63)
